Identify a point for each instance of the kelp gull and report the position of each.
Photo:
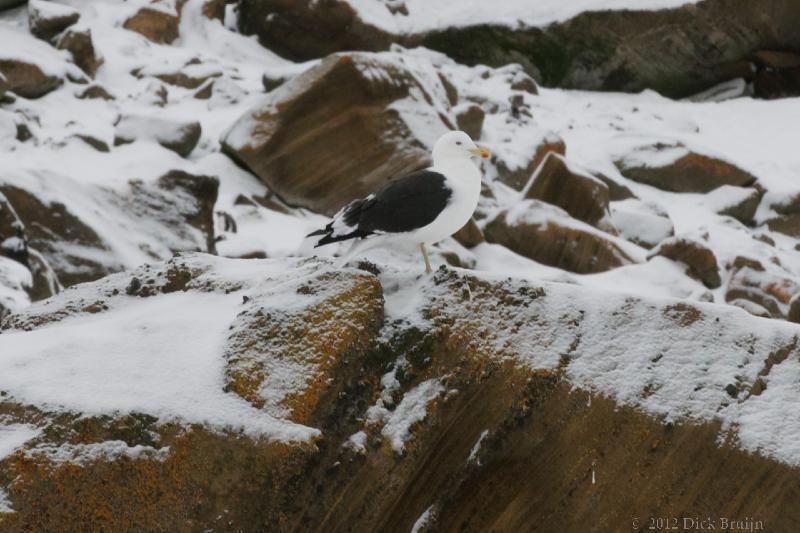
(422, 208)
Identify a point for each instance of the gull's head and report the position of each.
(457, 144)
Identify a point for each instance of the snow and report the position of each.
(413, 408)
(161, 356)
(424, 15)
(473, 453)
(423, 520)
(14, 436)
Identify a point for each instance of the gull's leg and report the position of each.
(428, 268)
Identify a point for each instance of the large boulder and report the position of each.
(700, 261)
(301, 29)
(549, 236)
(677, 169)
(574, 190)
(343, 128)
(494, 398)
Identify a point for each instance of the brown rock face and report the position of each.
(79, 45)
(470, 120)
(700, 260)
(306, 30)
(156, 25)
(554, 241)
(26, 79)
(582, 196)
(777, 74)
(201, 192)
(470, 235)
(517, 179)
(47, 20)
(751, 282)
(332, 134)
(744, 210)
(689, 172)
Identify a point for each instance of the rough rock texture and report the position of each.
(26, 79)
(342, 128)
(698, 258)
(79, 44)
(750, 281)
(581, 195)
(48, 19)
(158, 26)
(777, 74)
(743, 207)
(555, 240)
(173, 213)
(519, 177)
(667, 50)
(490, 432)
(470, 120)
(679, 170)
(287, 27)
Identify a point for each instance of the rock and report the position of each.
(190, 76)
(700, 261)
(48, 19)
(518, 176)
(469, 119)
(94, 142)
(215, 9)
(341, 129)
(547, 235)
(79, 44)
(777, 74)
(788, 219)
(501, 377)
(676, 169)
(3, 86)
(794, 309)
(26, 79)
(751, 307)
(270, 82)
(14, 245)
(306, 30)
(8, 4)
(156, 218)
(668, 50)
(740, 203)
(728, 90)
(642, 223)
(750, 281)
(616, 190)
(159, 26)
(470, 235)
(201, 195)
(180, 137)
(95, 91)
(574, 190)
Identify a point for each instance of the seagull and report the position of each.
(421, 208)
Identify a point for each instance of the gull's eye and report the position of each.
(458, 143)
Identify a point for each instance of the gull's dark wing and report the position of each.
(402, 205)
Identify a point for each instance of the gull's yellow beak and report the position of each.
(480, 152)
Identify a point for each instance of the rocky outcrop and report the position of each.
(286, 27)
(547, 235)
(575, 191)
(518, 176)
(677, 169)
(155, 24)
(342, 128)
(700, 261)
(668, 50)
(173, 213)
(437, 403)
